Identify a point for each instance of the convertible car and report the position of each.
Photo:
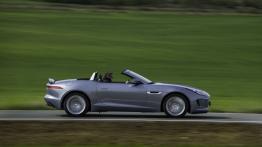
(100, 93)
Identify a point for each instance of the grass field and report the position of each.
(221, 54)
(111, 134)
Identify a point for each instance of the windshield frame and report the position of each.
(136, 76)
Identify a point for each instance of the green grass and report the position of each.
(221, 54)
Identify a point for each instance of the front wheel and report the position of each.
(76, 105)
(175, 106)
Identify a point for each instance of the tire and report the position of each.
(76, 105)
(175, 105)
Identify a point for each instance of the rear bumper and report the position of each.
(52, 101)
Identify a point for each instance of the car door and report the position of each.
(122, 97)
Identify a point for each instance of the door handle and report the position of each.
(153, 92)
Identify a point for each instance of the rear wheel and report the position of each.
(76, 104)
(175, 105)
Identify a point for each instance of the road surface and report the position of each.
(58, 115)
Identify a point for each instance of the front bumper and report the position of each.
(200, 105)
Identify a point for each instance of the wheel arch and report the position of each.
(175, 93)
(79, 92)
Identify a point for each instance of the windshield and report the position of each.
(137, 76)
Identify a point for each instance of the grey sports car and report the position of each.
(139, 94)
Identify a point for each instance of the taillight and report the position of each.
(54, 87)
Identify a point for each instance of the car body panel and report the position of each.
(122, 97)
(143, 97)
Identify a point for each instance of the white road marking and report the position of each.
(128, 120)
(58, 115)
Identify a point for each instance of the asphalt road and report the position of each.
(58, 115)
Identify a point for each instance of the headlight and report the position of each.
(200, 92)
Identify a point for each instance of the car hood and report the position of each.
(196, 90)
(177, 85)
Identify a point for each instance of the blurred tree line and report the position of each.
(171, 3)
